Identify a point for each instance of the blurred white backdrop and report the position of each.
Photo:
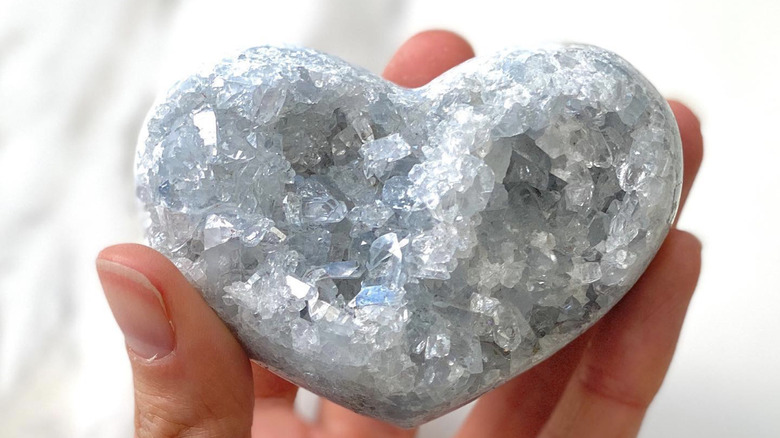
(76, 78)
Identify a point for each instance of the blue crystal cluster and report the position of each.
(403, 251)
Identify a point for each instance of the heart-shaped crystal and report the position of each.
(400, 251)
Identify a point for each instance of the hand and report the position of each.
(192, 378)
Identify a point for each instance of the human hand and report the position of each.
(192, 378)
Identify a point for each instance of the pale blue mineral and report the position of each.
(400, 251)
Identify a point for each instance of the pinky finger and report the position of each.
(630, 351)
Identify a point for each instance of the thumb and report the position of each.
(191, 376)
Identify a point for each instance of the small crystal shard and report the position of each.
(402, 251)
(217, 231)
(372, 215)
(437, 345)
(376, 295)
(349, 269)
(299, 289)
(379, 154)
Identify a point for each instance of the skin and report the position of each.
(598, 386)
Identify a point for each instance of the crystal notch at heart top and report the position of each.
(400, 251)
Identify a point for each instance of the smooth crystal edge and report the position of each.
(355, 235)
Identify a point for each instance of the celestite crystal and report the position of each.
(399, 251)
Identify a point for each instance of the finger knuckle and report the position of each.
(600, 383)
(154, 425)
(163, 417)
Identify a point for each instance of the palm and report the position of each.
(599, 385)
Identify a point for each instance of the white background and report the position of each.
(76, 78)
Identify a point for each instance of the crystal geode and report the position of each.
(402, 251)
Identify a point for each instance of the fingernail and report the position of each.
(138, 308)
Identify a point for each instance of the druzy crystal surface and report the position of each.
(403, 251)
